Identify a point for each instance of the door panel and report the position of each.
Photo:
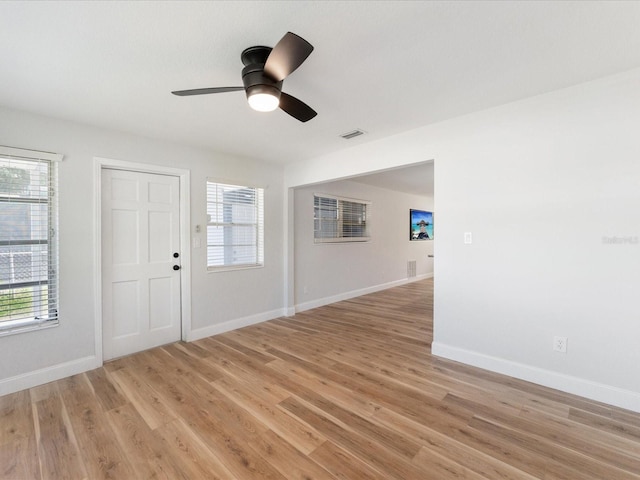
(124, 306)
(159, 295)
(160, 231)
(140, 233)
(125, 248)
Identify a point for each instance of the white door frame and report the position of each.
(185, 238)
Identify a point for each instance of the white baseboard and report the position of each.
(48, 374)
(578, 386)
(301, 307)
(234, 324)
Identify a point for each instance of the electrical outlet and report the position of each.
(560, 344)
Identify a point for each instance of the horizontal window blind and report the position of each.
(340, 220)
(235, 227)
(28, 247)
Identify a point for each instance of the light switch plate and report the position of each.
(468, 239)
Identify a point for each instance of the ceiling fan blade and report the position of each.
(205, 91)
(296, 108)
(286, 56)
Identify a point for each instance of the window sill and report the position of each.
(232, 268)
(319, 241)
(18, 327)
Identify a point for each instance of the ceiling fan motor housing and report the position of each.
(253, 76)
(255, 81)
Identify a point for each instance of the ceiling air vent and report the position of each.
(350, 135)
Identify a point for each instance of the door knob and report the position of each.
(176, 255)
(176, 267)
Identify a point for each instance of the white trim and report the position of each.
(566, 383)
(338, 240)
(97, 248)
(34, 154)
(346, 199)
(320, 302)
(234, 324)
(48, 374)
(234, 183)
(232, 268)
(185, 238)
(288, 259)
(16, 327)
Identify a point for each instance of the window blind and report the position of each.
(235, 227)
(28, 247)
(340, 220)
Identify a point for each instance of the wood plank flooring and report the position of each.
(345, 391)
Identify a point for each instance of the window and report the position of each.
(339, 219)
(235, 226)
(28, 246)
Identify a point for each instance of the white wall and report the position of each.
(328, 272)
(220, 301)
(540, 183)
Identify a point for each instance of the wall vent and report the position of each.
(411, 268)
(350, 135)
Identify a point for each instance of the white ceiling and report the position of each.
(415, 179)
(384, 66)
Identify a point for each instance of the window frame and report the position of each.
(52, 319)
(340, 230)
(258, 224)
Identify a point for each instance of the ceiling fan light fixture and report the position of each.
(263, 98)
(265, 69)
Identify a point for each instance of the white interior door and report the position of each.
(140, 241)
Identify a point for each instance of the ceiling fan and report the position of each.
(264, 70)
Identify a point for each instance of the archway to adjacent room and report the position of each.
(419, 257)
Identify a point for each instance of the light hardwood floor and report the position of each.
(345, 391)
